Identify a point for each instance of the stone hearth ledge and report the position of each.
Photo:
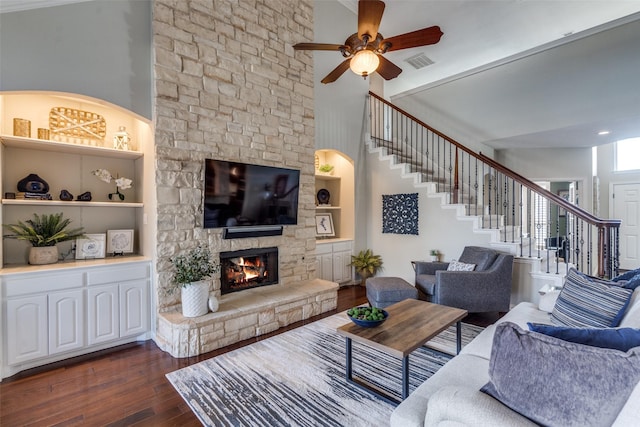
(245, 314)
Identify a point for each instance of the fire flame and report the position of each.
(249, 270)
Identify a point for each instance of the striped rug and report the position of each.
(297, 378)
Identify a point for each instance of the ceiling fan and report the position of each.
(364, 50)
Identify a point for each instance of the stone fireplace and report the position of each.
(249, 268)
(229, 101)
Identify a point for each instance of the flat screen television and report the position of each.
(241, 194)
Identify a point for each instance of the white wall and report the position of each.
(100, 48)
(339, 106)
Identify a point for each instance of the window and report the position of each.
(627, 154)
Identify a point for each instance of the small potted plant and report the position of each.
(434, 255)
(366, 264)
(44, 232)
(190, 272)
(326, 169)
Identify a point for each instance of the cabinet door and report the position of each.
(134, 308)
(338, 271)
(341, 267)
(102, 308)
(66, 321)
(26, 329)
(326, 266)
(341, 262)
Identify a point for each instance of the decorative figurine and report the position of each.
(121, 139)
(84, 197)
(32, 183)
(66, 196)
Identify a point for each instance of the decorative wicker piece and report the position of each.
(77, 123)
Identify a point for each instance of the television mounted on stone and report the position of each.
(238, 195)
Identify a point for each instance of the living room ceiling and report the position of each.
(516, 73)
(521, 73)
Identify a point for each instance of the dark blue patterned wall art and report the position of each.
(400, 213)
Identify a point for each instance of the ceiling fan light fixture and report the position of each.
(364, 62)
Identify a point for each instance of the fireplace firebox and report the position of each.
(249, 268)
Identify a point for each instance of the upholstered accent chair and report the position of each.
(485, 289)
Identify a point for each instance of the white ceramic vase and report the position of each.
(43, 255)
(195, 299)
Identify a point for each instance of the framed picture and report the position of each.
(119, 242)
(564, 194)
(324, 225)
(91, 246)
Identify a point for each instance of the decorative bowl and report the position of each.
(358, 315)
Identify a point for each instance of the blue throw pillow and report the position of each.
(626, 276)
(622, 339)
(628, 280)
(589, 302)
(558, 383)
(633, 283)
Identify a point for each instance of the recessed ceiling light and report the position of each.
(604, 132)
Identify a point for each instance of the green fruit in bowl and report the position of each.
(366, 313)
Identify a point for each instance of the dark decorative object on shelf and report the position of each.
(32, 183)
(323, 196)
(9, 195)
(84, 197)
(66, 196)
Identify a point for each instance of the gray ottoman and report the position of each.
(384, 291)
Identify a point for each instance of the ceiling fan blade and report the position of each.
(387, 69)
(337, 72)
(423, 37)
(369, 17)
(317, 46)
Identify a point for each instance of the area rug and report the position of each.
(297, 378)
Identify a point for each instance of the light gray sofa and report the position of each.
(452, 396)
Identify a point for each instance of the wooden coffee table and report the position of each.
(410, 324)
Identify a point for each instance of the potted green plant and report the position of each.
(366, 264)
(44, 232)
(434, 255)
(326, 169)
(189, 273)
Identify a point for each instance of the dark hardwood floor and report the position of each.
(124, 387)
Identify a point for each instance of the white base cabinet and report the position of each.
(54, 314)
(333, 260)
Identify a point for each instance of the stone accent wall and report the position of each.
(228, 85)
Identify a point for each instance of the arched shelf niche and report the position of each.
(339, 182)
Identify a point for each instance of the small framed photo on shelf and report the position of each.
(91, 246)
(324, 225)
(119, 242)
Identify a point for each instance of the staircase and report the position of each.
(518, 215)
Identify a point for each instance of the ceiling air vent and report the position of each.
(419, 61)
